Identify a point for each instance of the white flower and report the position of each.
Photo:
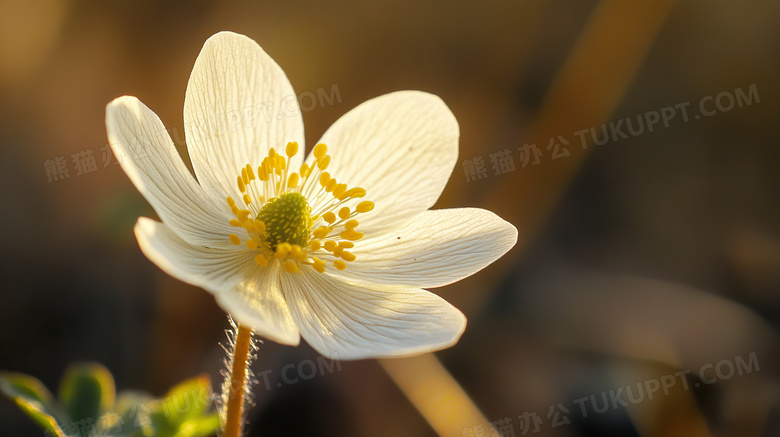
(291, 248)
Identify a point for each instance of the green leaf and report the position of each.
(188, 400)
(185, 410)
(134, 408)
(86, 391)
(202, 426)
(34, 399)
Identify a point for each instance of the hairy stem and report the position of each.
(235, 400)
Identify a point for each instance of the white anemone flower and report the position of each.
(294, 248)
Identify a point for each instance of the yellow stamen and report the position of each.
(339, 190)
(344, 212)
(329, 217)
(292, 149)
(320, 150)
(292, 181)
(351, 234)
(321, 232)
(261, 260)
(365, 206)
(322, 163)
(318, 265)
(234, 239)
(339, 264)
(354, 193)
(290, 266)
(282, 250)
(297, 253)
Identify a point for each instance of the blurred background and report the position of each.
(644, 257)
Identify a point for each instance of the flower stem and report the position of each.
(235, 400)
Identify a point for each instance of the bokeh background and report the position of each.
(637, 259)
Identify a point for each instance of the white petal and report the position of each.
(400, 147)
(238, 105)
(347, 321)
(213, 269)
(435, 248)
(250, 293)
(148, 156)
(258, 302)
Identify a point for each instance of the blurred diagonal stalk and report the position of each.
(435, 393)
(586, 91)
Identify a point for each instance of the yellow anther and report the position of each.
(234, 222)
(234, 239)
(315, 244)
(348, 256)
(250, 173)
(321, 232)
(247, 199)
(251, 244)
(261, 260)
(243, 214)
(281, 163)
(272, 153)
(305, 170)
(292, 181)
(337, 251)
(231, 202)
(346, 244)
(354, 193)
(241, 185)
(329, 217)
(319, 265)
(339, 191)
(365, 206)
(352, 224)
(282, 250)
(324, 178)
(262, 173)
(330, 245)
(330, 185)
(290, 266)
(244, 176)
(292, 149)
(260, 226)
(344, 212)
(351, 234)
(320, 150)
(339, 264)
(297, 253)
(322, 163)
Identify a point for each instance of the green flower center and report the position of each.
(276, 219)
(287, 219)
